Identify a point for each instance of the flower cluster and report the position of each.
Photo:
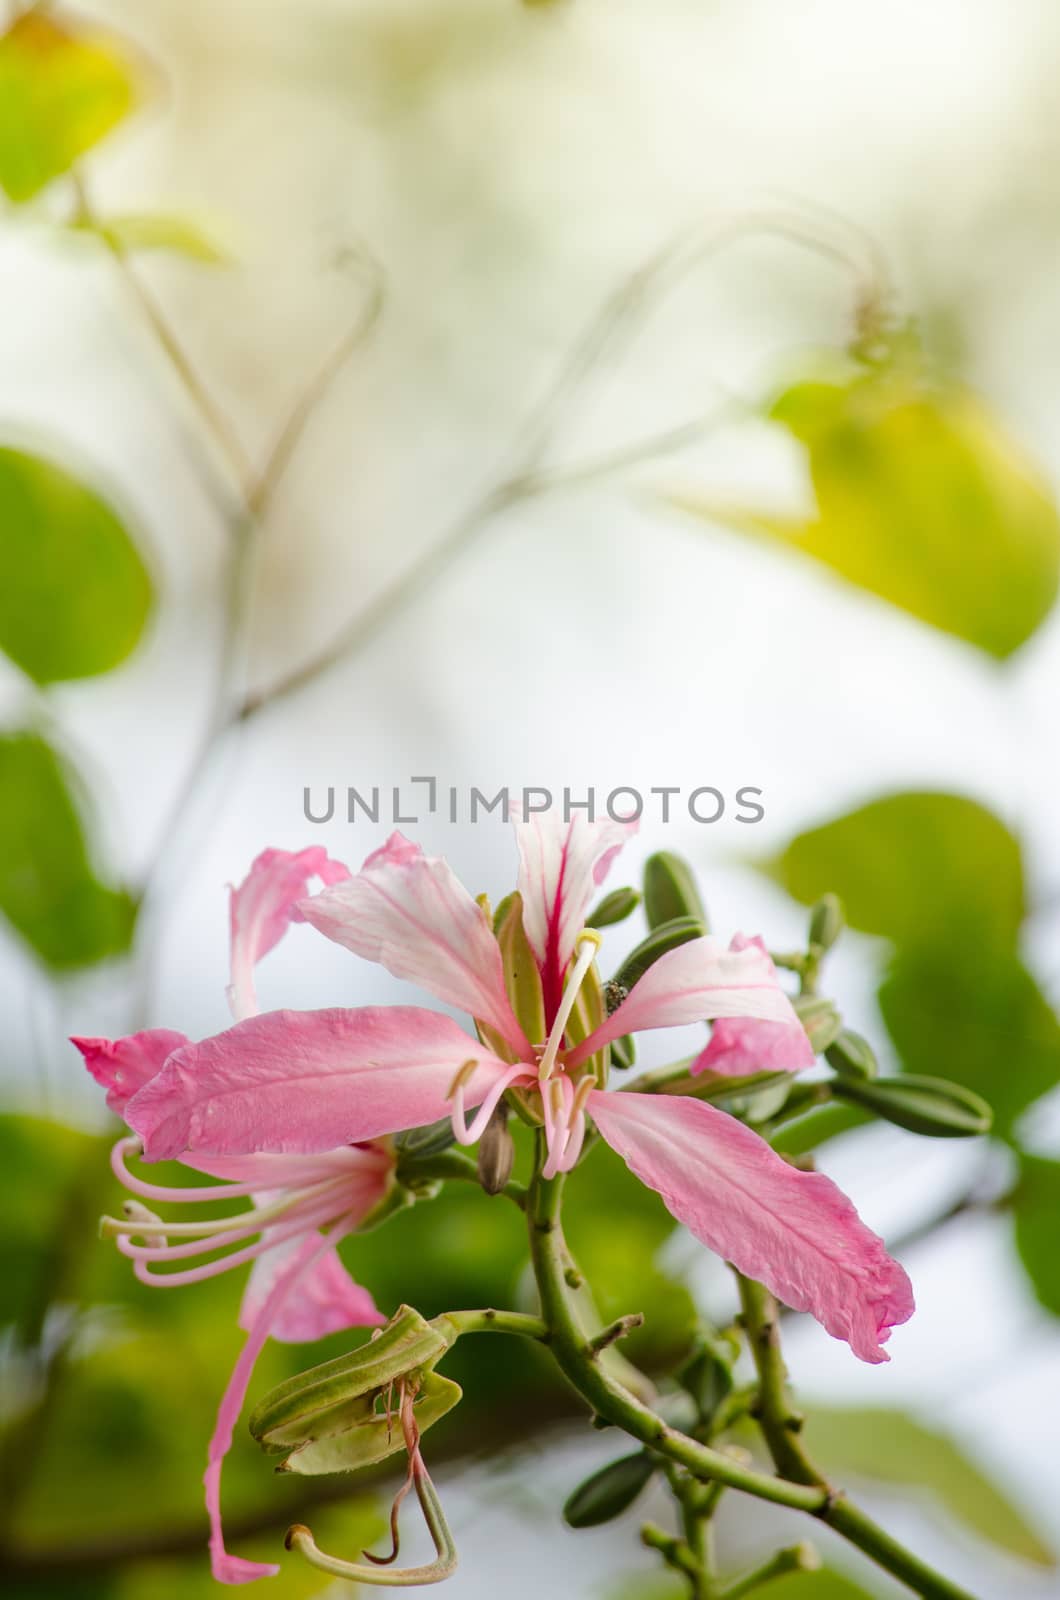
(294, 1110)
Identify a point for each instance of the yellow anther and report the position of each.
(581, 1095)
(588, 936)
(462, 1078)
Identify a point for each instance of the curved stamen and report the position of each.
(470, 1134)
(154, 1191)
(588, 944)
(213, 1269)
(247, 1221)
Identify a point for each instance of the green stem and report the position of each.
(611, 1402)
(453, 1323)
(780, 1424)
(614, 1404)
(800, 1558)
(773, 1411)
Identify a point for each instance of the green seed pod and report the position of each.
(610, 1491)
(827, 920)
(426, 1141)
(667, 936)
(852, 1056)
(820, 1019)
(374, 1435)
(670, 891)
(929, 1106)
(335, 1395)
(614, 907)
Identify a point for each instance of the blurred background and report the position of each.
(596, 394)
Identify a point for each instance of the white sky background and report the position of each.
(514, 170)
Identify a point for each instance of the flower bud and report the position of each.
(827, 920)
(623, 1052)
(610, 1491)
(930, 1106)
(670, 891)
(496, 1152)
(707, 1375)
(666, 936)
(820, 1019)
(852, 1056)
(614, 907)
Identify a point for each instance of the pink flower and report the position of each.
(303, 1083)
(302, 1204)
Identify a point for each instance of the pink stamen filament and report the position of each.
(466, 1133)
(141, 1256)
(154, 1191)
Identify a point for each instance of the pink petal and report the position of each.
(411, 913)
(327, 1301)
(263, 905)
(740, 1045)
(303, 1081)
(123, 1066)
(366, 1169)
(227, 1568)
(697, 981)
(560, 864)
(793, 1231)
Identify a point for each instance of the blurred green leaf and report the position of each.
(62, 88)
(821, 1585)
(891, 1447)
(180, 236)
(1037, 1209)
(48, 890)
(933, 1107)
(923, 499)
(976, 1017)
(914, 867)
(74, 592)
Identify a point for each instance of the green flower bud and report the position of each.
(666, 936)
(707, 1375)
(820, 1019)
(929, 1106)
(827, 920)
(614, 907)
(852, 1056)
(610, 1491)
(623, 1052)
(670, 891)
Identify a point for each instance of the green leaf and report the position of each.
(607, 1493)
(914, 867)
(74, 592)
(48, 890)
(1037, 1207)
(891, 1447)
(977, 1018)
(180, 236)
(62, 88)
(922, 499)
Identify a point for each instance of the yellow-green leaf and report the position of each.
(62, 88)
(74, 592)
(917, 867)
(923, 498)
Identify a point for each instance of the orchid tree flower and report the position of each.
(301, 1204)
(304, 1083)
